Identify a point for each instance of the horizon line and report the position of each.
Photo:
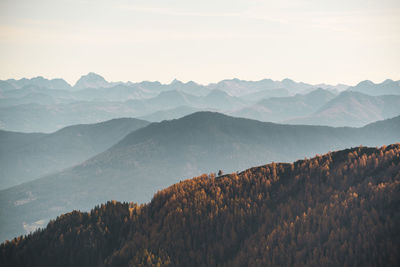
(188, 81)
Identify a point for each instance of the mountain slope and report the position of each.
(339, 209)
(387, 87)
(118, 92)
(170, 114)
(353, 109)
(222, 101)
(278, 109)
(264, 94)
(14, 140)
(33, 98)
(162, 153)
(237, 87)
(24, 157)
(189, 88)
(5, 86)
(30, 89)
(50, 117)
(173, 98)
(91, 80)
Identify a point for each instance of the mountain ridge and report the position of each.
(278, 109)
(334, 208)
(387, 87)
(199, 143)
(351, 108)
(26, 156)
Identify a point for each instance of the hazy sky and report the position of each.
(205, 40)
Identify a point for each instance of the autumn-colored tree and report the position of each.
(337, 209)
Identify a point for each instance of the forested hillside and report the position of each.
(161, 154)
(338, 209)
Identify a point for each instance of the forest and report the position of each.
(337, 209)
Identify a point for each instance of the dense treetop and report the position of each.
(337, 209)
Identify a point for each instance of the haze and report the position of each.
(206, 41)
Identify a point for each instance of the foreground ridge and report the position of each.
(341, 208)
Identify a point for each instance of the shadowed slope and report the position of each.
(24, 157)
(163, 153)
(353, 109)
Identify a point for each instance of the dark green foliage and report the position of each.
(339, 209)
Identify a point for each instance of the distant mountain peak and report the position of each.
(176, 81)
(287, 80)
(191, 83)
(93, 76)
(91, 80)
(387, 81)
(41, 78)
(365, 83)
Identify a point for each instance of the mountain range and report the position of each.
(234, 87)
(387, 87)
(67, 147)
(337, 209)
(352, 109)
(26, 156)
(43, 105)
(160, 154)
(37, 81)
(48, 118)
(319, 107)
(283, 108)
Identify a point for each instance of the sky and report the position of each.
(314, 41)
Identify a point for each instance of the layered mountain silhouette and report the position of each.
(43, 105)
(35, 113)
(37, 81)
(31, 98)
(277, 109)
(58, 95)
(338, 209)
(353, 109)
(35, 117)
(170, 114)
(239, 87)
(387, 87)
(53, 117)
(264, 94)
(65, 148)
(189, 88)
(160, 154)
(26, 156)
